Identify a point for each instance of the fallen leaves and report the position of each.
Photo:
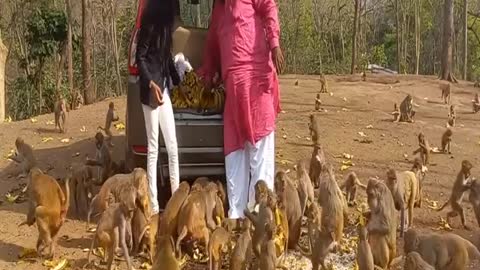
(120, 126)
(11, 198)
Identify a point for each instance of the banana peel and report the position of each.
(443, 225)
(99, 252)
(56, 265)
(146, 266)
(47, 139)
(119, 126)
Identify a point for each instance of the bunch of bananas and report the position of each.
(195, 96)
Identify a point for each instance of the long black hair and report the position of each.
(158, 17)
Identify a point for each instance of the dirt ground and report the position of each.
(353, 107)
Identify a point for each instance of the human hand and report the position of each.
(157, 92)
(278, 59)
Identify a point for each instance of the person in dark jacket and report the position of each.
(157, 72)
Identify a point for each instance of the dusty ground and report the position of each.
(353, 106)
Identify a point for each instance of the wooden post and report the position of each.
(3, 61)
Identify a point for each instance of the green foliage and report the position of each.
(378, 55)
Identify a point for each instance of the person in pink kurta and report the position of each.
(243, 46)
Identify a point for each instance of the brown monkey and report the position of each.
(318, 102)
(304, 186)
(202, 182)
(261, 191)
(350, 186)
(265, 215)
(317, 165)
(333, 205)
(140, 228)
(420, 171)
(446, 92)
(406, 110)
(196, 216)
(268, 257)
(111, 117)
(364, 76)
(413, 261)
(452, 116)
(48, 205)
(474, 198)
(165, 258)
(364, 252)
(288, 196)
(242, 253)
(113, 223)
(476, 103)
(423, 149)
(446, 141)
(218, 245)
(60, 111)
(381, 224)
(404, 189)
(462, 184)
(115, 186)
(24, 156)
(476, 84)
(78, 101)
(314, 129)
(324, 84)
(103, 158)
(168, 223)
(442, 251)
(81, 182)
(395, 113)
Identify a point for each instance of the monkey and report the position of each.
(81, 182)
(168, 223)
(404, 189)
(218, 244)
(60, 112)
(242, 253)
(452, 116)
(447, 141)
(324, 84)
(165, 258)
(364, 252)
(350, 186)
(103, 158)
(446, 93)
(318, 102)
(111, 117)
(317, 165)
(24, 156)
(442, 251)
(461, 185)
(196, 216)
(474, 198)
(406, 110)
(78, 101)
(395, 113)
(364, 76)
(140, 228)
(261, 191)
(423, 149)
(476, 84)
(476, 103)
(115, 186)
(47, 206)
(288, 196)
(333, 205)
(314, 129)
(304, 186)
(420, 171)
(265, 215)
(113, 224)
(413, 261)
(381, 225)
(268, 257)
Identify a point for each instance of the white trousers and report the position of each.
(161, 117)
(244, 168)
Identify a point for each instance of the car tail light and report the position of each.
(132, 62)
(141, 149)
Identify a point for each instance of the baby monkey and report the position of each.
(24, 156)
(60, 111)
(111, 117)
(452, 116)
(424, 149)
(113, 223)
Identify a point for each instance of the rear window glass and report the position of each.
(194, 15)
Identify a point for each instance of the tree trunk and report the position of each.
(446, 72)
(113, 31)
(60, 67)
(69, 51)
(354, 36)
(88, 92)
(465, 38)
(417, 36)
(3, 60)
(399, 50)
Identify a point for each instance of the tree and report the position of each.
(88, 91)
(354, 36)
(3, 59)
(69, 49)
(399, 50)
(446, 72)
(465, 38)
(417, 36)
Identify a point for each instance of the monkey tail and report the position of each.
(90, 210)
(443, 206)
(91, 247)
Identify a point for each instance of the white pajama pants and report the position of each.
(244, 168)
(161, 117)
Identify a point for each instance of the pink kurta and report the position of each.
(240, 39)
